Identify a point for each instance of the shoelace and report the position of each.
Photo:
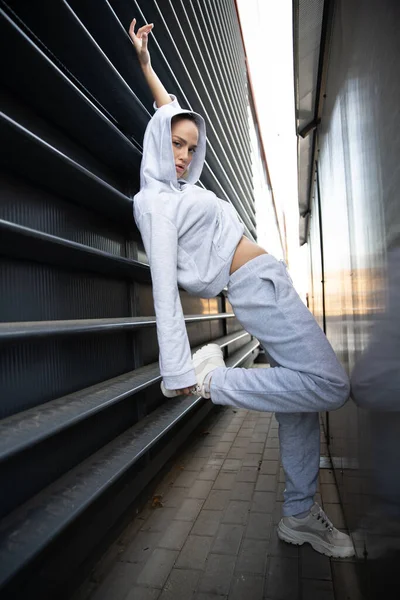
(321, 516)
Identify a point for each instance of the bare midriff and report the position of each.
(245, 251)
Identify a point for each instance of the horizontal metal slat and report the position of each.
(84, 61)
(23, 430)
(29, 529)
(53, 94)
(24, 243)
(26, 330)
(30, 156)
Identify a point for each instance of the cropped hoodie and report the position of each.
(189, 236)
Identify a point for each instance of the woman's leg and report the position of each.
(308, 378)
(299, 439)
(305, 377)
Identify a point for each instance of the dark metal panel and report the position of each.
(25, 243)
(47, 461)
(27, 155)
(54, 96)
(226, 80)
(234, 75)
(233, 110)
(10, 332)
(71, 495)
(234, 60)
(56, 294)
(206, 89)
(91, 534)
(83, 61)
(25, 204)
(75, 106)
(35, 372)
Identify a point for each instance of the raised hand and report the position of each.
(139, 40)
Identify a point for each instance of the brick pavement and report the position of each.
(214, 536)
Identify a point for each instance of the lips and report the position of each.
(179, 168)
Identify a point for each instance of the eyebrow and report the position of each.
(183, 140)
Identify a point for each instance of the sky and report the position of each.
(267, 32)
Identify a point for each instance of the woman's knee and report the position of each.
(340, 393)
(334, 393)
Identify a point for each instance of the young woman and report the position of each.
(193, 238)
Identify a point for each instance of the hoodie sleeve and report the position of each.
(160, 239)
(174, 103)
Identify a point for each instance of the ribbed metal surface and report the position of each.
(36, 372)
(359, 153)
(34, 292)
(28, 205)
(73, 110)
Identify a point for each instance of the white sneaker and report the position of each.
(317, 530)
(206, 360)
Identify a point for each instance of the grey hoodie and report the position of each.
(189, 236)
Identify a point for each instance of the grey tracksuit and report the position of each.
(190, 237)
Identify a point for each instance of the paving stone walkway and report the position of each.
(209, 532)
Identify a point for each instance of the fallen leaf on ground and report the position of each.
(157, 501)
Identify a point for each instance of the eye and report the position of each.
(177, 144)
(192, 150)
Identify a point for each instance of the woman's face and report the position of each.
(185, 137)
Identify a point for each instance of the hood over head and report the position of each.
(158, 159)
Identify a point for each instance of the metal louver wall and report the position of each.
(83, 425)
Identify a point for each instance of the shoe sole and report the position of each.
(288, 535)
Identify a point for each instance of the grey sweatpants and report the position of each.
(306, 376)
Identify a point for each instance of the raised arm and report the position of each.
(140, 39)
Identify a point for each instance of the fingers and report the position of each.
(186, 391)
(145, 29)
(132, 29)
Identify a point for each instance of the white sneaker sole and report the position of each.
(299, 538)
